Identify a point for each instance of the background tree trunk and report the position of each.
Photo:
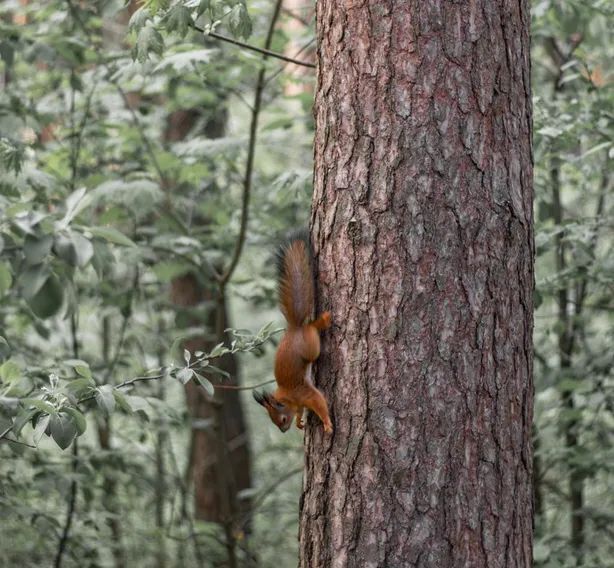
(219, 461)
(422, 226)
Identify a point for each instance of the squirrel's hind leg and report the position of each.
(323, 322)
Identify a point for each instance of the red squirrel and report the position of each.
(300, 345)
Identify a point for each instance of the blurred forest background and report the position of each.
(148, 167)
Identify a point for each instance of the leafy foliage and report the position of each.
(117, 178)
(573, 331)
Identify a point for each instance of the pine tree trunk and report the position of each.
(422, 227)
(220, 460)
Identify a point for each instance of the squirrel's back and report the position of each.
(296, 287)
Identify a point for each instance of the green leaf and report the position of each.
(75, 203)
(185, 60)
(112, 235)
(157, 5)
(203, 6)
(184, 375)
(105, 399)
(218, 371)
(103, 259)
(9, 371)
(22, 418)
(218, 350)
(74, 248)
(597, 148)
(121, 401)
(550, 131)
(178, 19)
(63, 429)
(64, 249)
(32, 279)
(239, 22)
(174, 348)
(48, 300)
(19, 387)
(138, 196)
(138, 403)
(11, 157)
(148, 40)
(139, 18)
(83, 249)
(39, 404)
(36, 249)
(77, 417)
(80, 387)
(206, 384)
(5, 348)
(41, 426)
(541, 552)
(6, 279)
(84, 371)
(73, 362)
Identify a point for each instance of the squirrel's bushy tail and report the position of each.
(295, 273)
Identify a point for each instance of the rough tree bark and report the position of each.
(422, 227)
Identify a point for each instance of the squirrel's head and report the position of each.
(279, 413)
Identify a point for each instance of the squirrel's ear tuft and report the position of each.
(264, 398)
(259, 397)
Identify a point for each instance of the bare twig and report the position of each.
(72, 501)
(262, 50)
(6, 432)
(251, 149)
(268, 491)
(246, 387)
(279, 71)
(6, 439)
(296, 17)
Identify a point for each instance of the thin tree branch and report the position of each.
(72, 501)
(6, 432)
(262, 50)
(247, 180)
(272, 488)
(582, 286)
(163, 374)
(122, 331)
(296, 17)
(144, 138)
(6, 439)
(183, 487)
(568, 332)
(306, 46)
(246, 387)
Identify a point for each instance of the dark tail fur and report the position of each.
(295, 277)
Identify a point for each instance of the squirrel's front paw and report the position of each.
(328, 428)
(326, 319)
